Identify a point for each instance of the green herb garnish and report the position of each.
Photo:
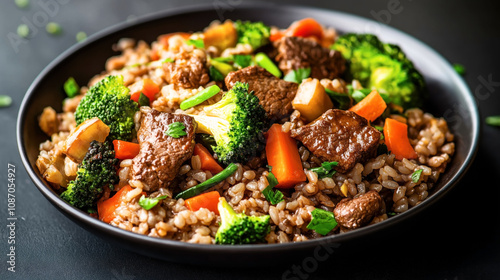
(215, 74)
(274, 197)
(322, 221)
(144, 100)
(148, 203)
(415, 176)
(340, 100)
(298, 75)
(53, 28)
(168, 60)
(71, 87)
(197, 43)
(459, 68)
(326, 169)
(5, 101)
(176, 130)
(493, 120)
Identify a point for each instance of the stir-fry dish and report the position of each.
(244, 133)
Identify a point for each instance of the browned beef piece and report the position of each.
(354, 213)
(189, 70)
(161, 156)
(296, 52)
(275, 94)
(341, 136)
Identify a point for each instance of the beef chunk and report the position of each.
(341, 136)
(161, 156)
(357, 212)
(189, 69)
(275, 94)
(296, 52)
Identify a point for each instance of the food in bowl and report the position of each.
(245, 133)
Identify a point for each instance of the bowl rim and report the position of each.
(116, 232)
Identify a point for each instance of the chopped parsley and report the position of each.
(274, 197)
(143, 100)
(326, 169)
(197, 43)
(298, 75)
(459, 68)
(176, 130)
(168, 60)
(215, 74)
(340, 100)
(148, 203)
(71, 87)
(322, 221)
(415, 176)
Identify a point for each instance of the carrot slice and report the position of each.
(145, 86)
(307, 27)
(125, 150)
(283, 155)
(106, 209)
(396, 139)
(207, 161)
(207, 200)
(371, 107)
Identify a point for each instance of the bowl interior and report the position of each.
(449, 98)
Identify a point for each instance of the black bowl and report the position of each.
(449, 98)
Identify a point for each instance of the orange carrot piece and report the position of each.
(106, 209)
(207, 200)
(307, 27)
(371, 107)
(396, 139)
(125, 150)
(207, 161)
(283, 155)
(146, 86)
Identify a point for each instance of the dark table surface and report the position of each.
(457, 239)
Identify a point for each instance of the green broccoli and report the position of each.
(240, 228)
(237, 123)
(97, 170)
(255, 34)
(382, 66)
(109, 100)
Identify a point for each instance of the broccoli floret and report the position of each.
(97, 170)
(237, 122)
(382, 66)
(109, 100)
(239, 228)
(255, 34)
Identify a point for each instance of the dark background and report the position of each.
(457, 239)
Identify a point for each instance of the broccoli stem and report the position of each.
(198, 189)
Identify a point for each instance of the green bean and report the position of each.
(265, 62)
(198, 189)
(201, 96)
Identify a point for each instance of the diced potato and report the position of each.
(222, 36)
(311, 99)
(78, 142)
